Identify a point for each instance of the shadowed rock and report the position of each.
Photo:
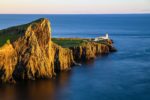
(63, 57)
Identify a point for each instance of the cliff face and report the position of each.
(33, 51)
(63, 57)
(8, 61)
(32, 54)
(88, 51)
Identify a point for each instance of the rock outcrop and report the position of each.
(32, 55)
(8, 61)
(33, 52)
(33, 49)
(88, 51)
(63, 57)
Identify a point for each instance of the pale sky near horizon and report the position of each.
(74, 6)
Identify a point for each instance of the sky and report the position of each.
(74, 6)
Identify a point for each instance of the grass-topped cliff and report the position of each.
(27, 52)
(85, 49)
(13, 33)
(73, 42)
(69, 42)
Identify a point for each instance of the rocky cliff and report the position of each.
(88, 50)
(8, 61)
(31, 54)
(63, 57)
(33, 50)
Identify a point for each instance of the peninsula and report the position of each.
(28, 52)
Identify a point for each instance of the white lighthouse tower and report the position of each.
(107, 37)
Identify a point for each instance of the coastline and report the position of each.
(33, 54)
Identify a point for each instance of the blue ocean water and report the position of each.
(123, 75)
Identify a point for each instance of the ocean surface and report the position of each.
(123, 75)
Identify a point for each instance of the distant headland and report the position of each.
(28, 52)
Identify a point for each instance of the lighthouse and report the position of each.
(106, 37)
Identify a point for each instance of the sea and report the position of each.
(122, 75)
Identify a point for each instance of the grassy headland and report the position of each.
(69, 42)
(12, 33)
(74, 42)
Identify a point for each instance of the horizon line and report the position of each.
(69, 13)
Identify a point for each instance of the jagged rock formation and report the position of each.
(8, 61)
(33, 49)
(109, 43)
(32, 55)
(89, 51)
(63, 57)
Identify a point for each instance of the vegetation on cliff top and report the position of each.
(13, 33)
(69, 42)
(74, 42)
(5, 37)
